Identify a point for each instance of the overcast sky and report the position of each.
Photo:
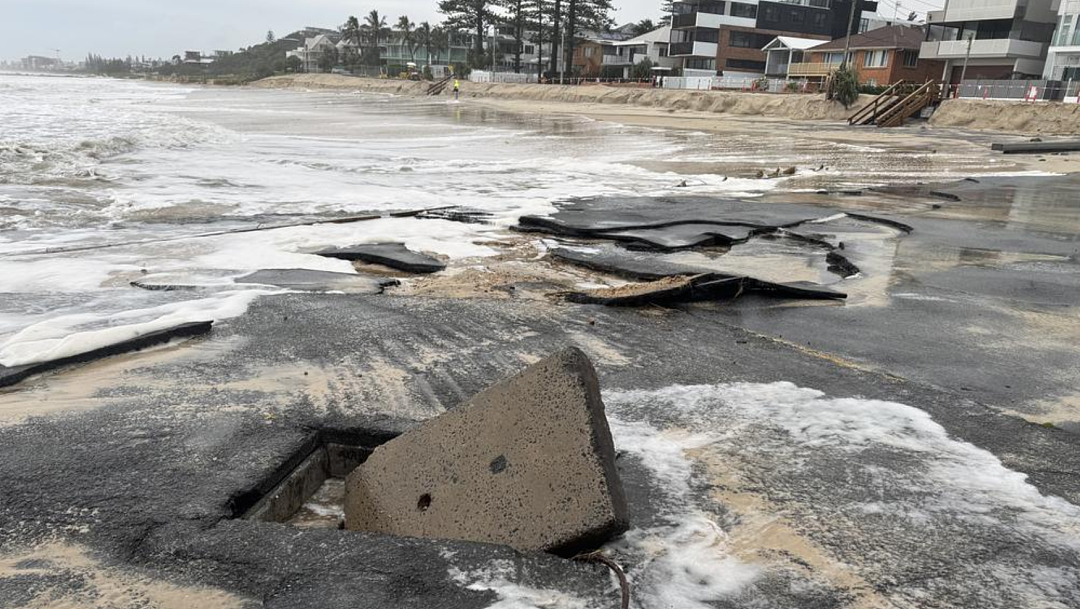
(163, 28)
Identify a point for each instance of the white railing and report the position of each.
(501, 77)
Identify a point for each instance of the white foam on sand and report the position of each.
(682, 559)
(933, 483)
(70, 335)
(502, 578)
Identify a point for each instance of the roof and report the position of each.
(891, 37)
(661, 34)
(790, 42)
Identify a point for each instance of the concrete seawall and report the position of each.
(1006, 117)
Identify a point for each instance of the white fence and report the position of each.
(501, 77)
(708, 83)
(1017, 90)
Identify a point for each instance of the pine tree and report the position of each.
(665, 12)
(518, 17)
(472, 15)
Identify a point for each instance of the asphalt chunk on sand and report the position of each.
(666, 282)
(528, 462)
(11, 375)
(393, 255)
(318, 281)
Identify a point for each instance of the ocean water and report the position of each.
(147, 169)
(87, 162)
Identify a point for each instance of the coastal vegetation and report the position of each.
(552, 25)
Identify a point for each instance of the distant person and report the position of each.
(457, 88)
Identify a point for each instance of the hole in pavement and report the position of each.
(424, 502)
(308, 490)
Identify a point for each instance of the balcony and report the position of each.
(695, 49)
(997, 48)
(621, 60)
(709, 20)
(812, 69)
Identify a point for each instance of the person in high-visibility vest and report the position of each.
(457, 87)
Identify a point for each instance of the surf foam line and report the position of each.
(343, 220)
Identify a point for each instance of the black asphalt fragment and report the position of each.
(393, 255)
(318, 281)
(15, 374)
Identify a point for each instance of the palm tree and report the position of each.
(350, 32)
(423, 39)
(407, 35)
(440, 41)
(376, 27)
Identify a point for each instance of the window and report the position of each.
(798, 16)
(772, 13)
(745, 64)
(529, 49)
(748, 40)
(740, 9)
(588, 51)
(700, 63)
(911, 59)
(875, 59)
(820, 19)
(702, 34)
(663, 50)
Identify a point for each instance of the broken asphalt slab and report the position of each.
(148, 468)
(673, 282)
(393, 255)
(671, 224)
(318, 281)
(10, 375)
(528, 463)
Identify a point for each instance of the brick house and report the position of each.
(881, 57)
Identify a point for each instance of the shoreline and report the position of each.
(717, 112)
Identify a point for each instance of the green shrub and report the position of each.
(844, 86)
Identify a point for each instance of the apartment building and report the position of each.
(726, 37)
(626, 54)
(998, 39)
(1063, 55)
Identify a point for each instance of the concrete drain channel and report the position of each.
(527, 463)
(308, 489)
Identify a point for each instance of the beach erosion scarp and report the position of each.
(980, 115)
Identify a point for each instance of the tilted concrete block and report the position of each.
(528, 463)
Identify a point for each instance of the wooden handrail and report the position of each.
(873, 106)
(917, 100)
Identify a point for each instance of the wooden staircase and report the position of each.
(437, 87)
(897, 103)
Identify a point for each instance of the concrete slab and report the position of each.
(393, 255)
(528, 463)
(318, 281)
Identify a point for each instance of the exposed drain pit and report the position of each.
(308, 490)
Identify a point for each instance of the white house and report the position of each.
(312, 51)
(783, 51)
(652, 45)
